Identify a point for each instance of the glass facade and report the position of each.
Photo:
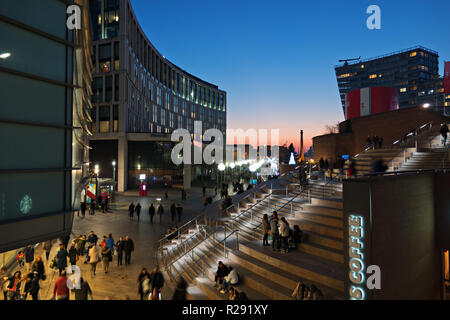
(41, 120)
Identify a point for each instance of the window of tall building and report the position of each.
(372, 76)
(104, 58)
(402, 89)
(116, 88)
(158, 95)
(171, 120)
(108, 89)
(115, 118)
(413, 54)
(163, 117)
(97, 90)
(104, 116)
(180, 121)
(111, 19)
(175, 104)
(155, 113)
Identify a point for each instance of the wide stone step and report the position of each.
(303, 265)
(324, 220)
(318, 228)
(327, 203)
(323, 252)
(325, 211)
(324, 241)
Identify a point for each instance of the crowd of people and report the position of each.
(176, 212)
(283, 237)
(374, 142)
(304, 292)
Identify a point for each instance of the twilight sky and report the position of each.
(276, 59)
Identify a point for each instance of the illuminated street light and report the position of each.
(426, 105)
(232, 165)
(96, 169)
(221, 167)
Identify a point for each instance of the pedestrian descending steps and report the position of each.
(237, 241)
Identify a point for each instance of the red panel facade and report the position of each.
(379, 99)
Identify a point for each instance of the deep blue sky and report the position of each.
(275, 58)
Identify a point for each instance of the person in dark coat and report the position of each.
(151, 212)
(73, 254)
(221, 273)
(138, 210)
(120, 247)
(33, 288)
(180, 290)
(92, 239)
(84, 292)
(156, 280)
(29, 256)
(160, 212)
(179, 212)
(131, 209)
(142, 276)
(92, 208)
(38, 267)
(61, 258)
(173, 211)
(444, 131)
(83, 208)
(128, 248)
(65, 240)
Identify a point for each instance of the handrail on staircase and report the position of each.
(232, 221)
(413, 136)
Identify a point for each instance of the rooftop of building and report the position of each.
(420, 48)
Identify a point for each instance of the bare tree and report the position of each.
(332, 128)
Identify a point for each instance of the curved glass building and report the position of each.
(139, 98)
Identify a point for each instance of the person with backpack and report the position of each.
(106, 258)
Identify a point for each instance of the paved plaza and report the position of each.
(121, 281)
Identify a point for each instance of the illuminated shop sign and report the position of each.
(356, 257)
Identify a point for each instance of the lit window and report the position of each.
(372, 76)
(413, 54)
(402, 89)
(345, 75)
(362, 66)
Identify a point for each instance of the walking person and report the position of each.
(143, 283)
(38, 267)
(120, 246)
(180, 290)
(47, 248)
(93, 259)
(151, 212)
(160, 212)
(92, 207)
(34, 287)
(110, 243)
(60, 289)
(444, 131)
(173, 211)
(131, 210)
(84, 292)
(138, 210)
(284, 234)
(166, 195)
(73, 254)
(275, 233)
(29, 257)
(179, 212)
(266, 229)
(106, 258)
(83, 209)
(128, 248)
(14, 286)
(61, 258)
(156, 281)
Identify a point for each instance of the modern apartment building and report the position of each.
(414, 72)
(139, 98)
(45, 76)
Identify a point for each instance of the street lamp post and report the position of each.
(96, 171)
(114, 170)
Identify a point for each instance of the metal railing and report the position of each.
(410, 139)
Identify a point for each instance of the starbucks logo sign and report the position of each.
(26, 204)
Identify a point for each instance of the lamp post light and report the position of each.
(221, 168)
(96, 171)
(114, 170)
